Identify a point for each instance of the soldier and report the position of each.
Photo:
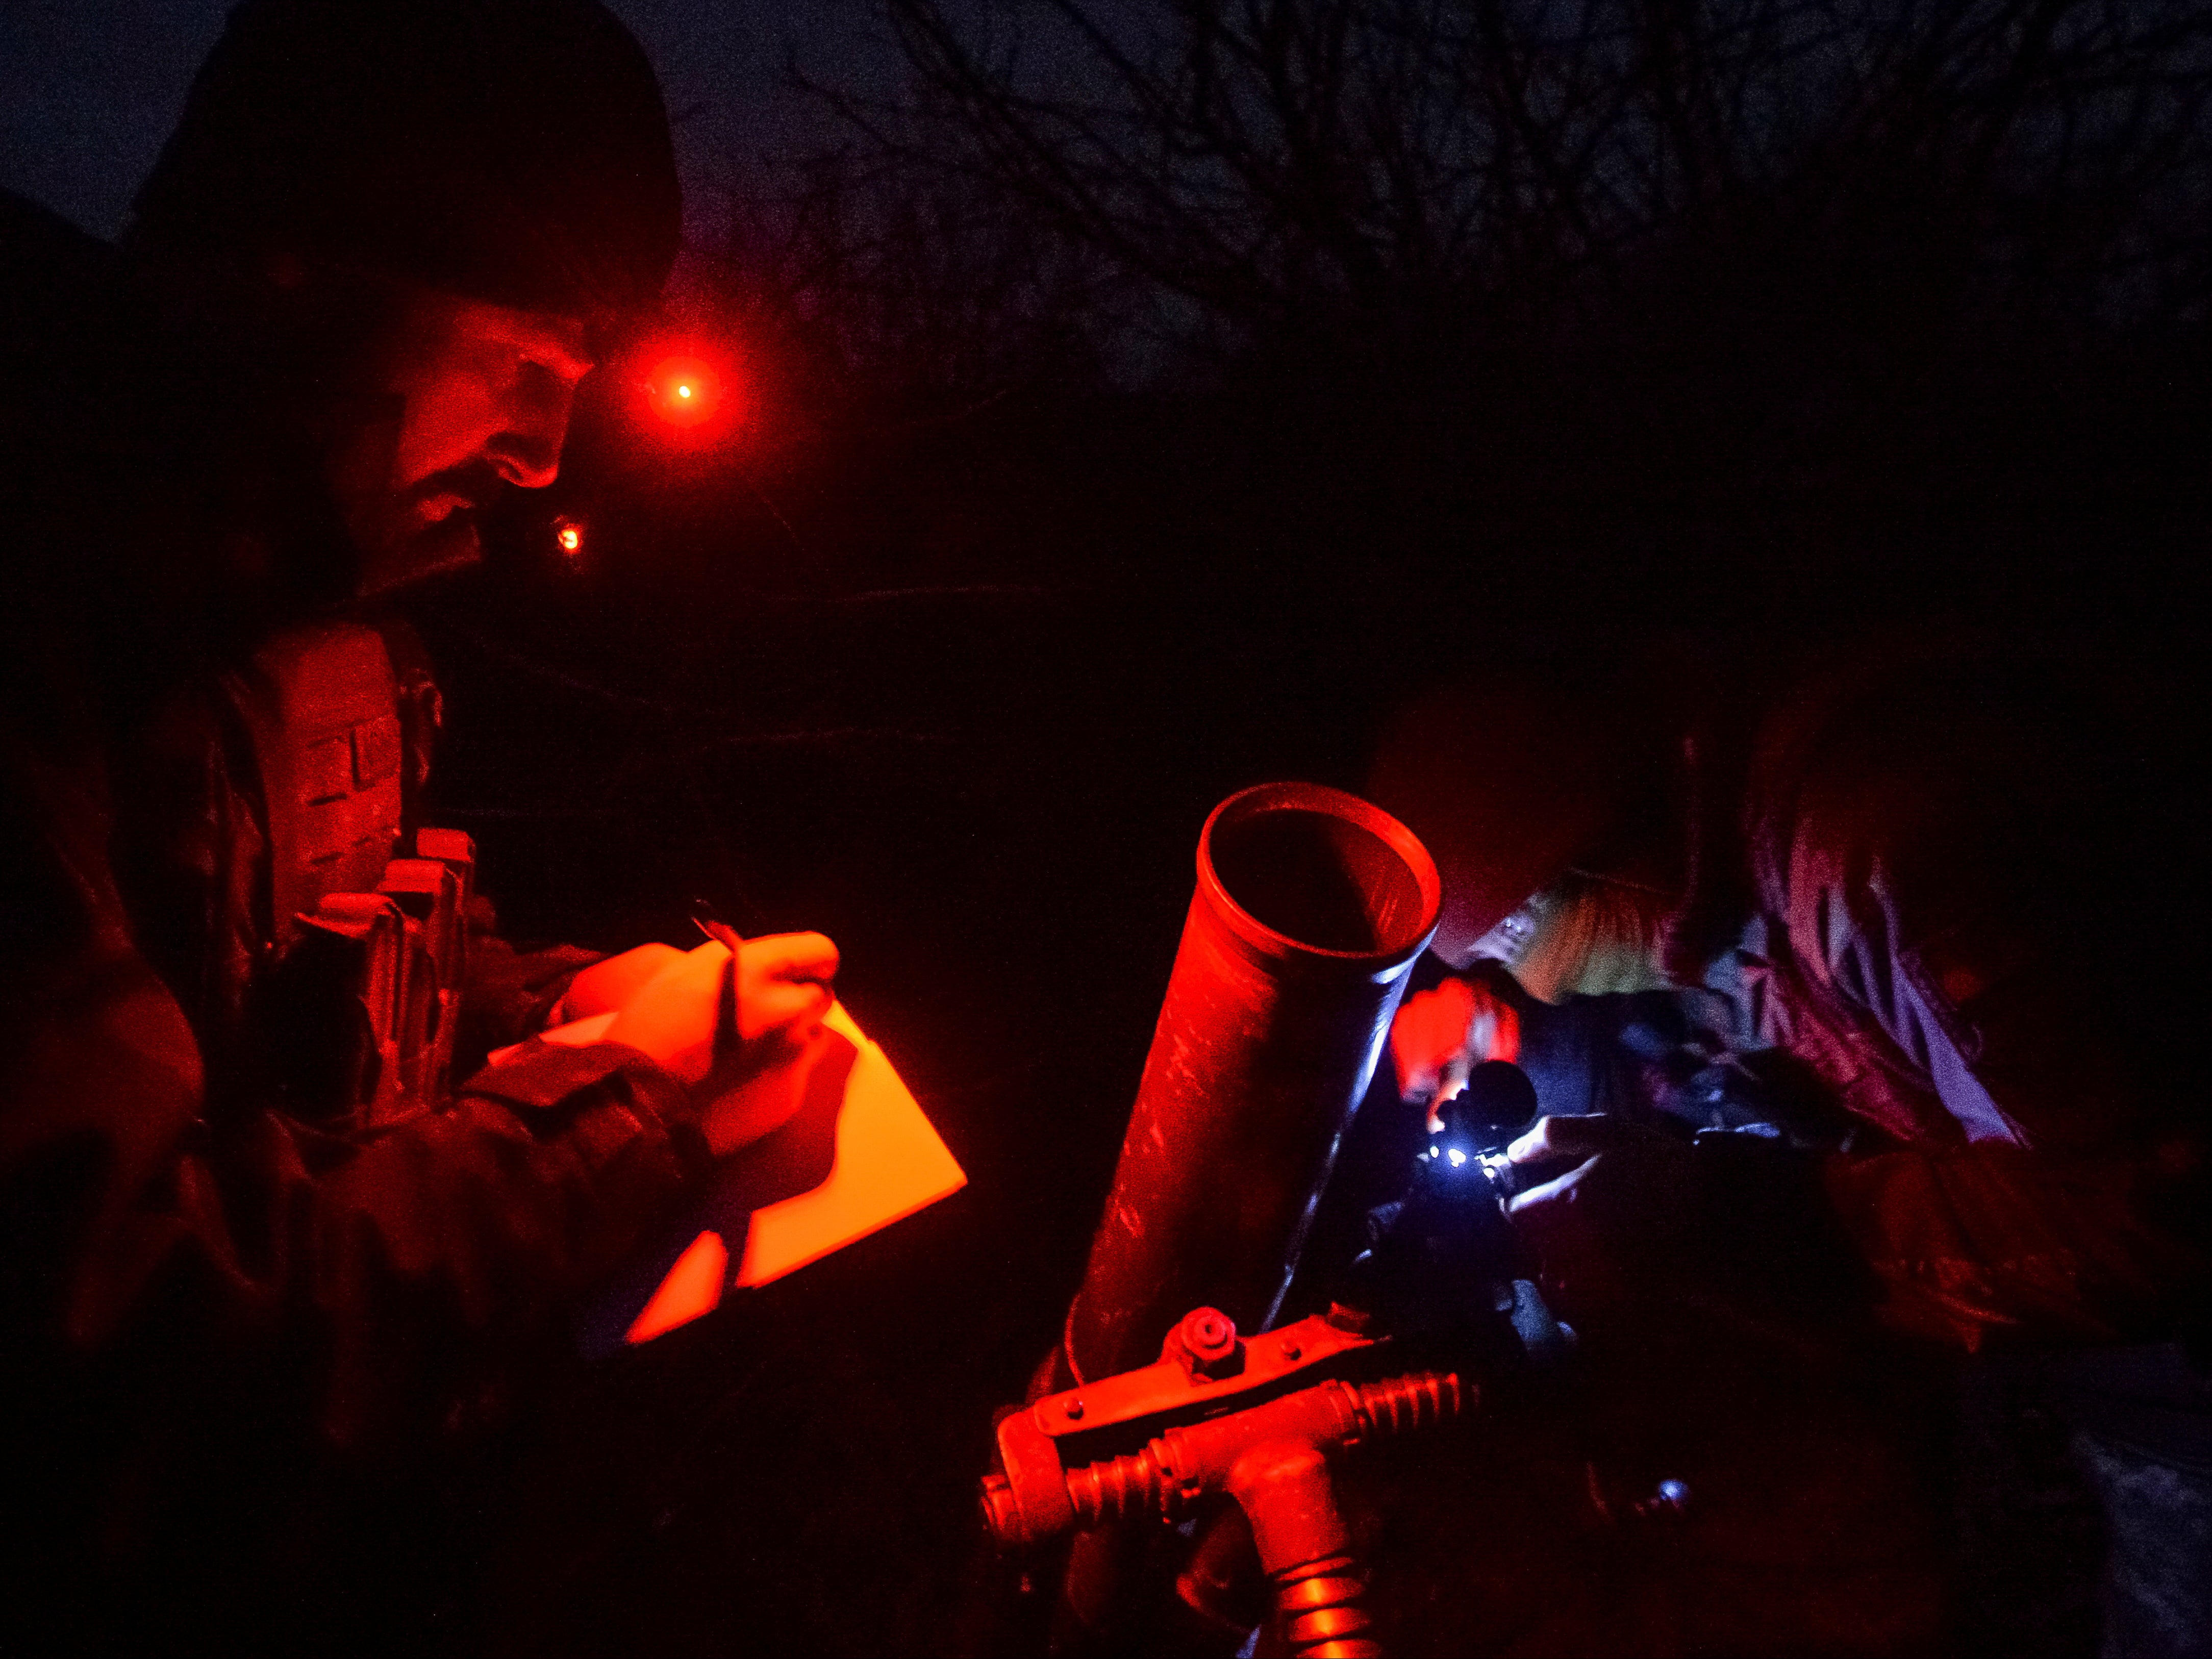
(1926, 931)
(251, 1227)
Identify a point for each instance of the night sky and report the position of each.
(89, 89)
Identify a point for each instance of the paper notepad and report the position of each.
(888, 1164)
(883, 1162)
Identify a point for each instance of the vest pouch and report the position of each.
(335, 1010)
(323, 705)
(431, 894)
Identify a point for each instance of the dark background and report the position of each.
(1043, 514)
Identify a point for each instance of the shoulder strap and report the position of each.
(422, 709)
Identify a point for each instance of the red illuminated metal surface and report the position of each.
(1192, 1373)
(1310, 908)
(1246, 1420)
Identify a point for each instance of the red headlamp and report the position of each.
(684, 391)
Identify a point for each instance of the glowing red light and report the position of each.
(684, 391)
(568, 535)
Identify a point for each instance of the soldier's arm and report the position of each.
(1940, 852)
(403, 1257)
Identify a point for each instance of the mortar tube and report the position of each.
(1311, 908)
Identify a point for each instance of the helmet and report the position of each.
(515, 151)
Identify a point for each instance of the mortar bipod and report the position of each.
(1217, 1414)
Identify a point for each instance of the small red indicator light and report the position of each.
(684, 391)
(568, 535)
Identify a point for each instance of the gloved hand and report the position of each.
(1440, 1036)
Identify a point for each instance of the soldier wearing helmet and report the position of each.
(265, 1205)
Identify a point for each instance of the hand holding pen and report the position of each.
(731, 1004)
(779, 982)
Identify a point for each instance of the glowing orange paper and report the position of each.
(693, 1287)
(889, 1162)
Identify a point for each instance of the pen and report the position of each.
(704, 918)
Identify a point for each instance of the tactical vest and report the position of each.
(361, 912)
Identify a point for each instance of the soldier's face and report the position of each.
(456, 399)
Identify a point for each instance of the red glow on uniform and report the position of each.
(684, 391)
(569, 536)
